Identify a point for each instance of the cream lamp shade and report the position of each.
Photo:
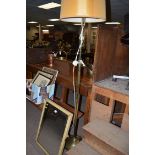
(74, 10)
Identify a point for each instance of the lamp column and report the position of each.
(74, 139)
(81, 38)
(84, 11)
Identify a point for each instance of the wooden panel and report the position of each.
(63, 66)
(87, 109)
(104, 52)
(37, 55)
(111, 56)
(121, 66)
(111, 94)
(100, 111)
(104, 136)
(104, 112)
(125, 122)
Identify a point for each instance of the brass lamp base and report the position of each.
(72, 141)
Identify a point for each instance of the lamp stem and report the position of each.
(81, 38)
(74, 139)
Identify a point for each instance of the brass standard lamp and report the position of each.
(80, 11)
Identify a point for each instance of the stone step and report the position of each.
(104, 136)
(82, 149)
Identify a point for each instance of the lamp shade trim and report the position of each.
(79, 19)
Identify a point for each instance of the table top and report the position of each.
(65, 73)
(120, 85)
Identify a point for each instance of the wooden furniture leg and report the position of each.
(87, 108)
(64, 95)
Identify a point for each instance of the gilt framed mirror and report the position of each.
(53, 128)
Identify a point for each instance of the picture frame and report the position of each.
(51, 71)
(41, 80)
(48, 75)
(48, 125)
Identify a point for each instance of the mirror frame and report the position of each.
(66, 129)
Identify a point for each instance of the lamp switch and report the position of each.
(75, 62)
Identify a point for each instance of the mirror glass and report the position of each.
(52, 128)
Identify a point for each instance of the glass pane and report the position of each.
(118, 112)
(52, 129)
